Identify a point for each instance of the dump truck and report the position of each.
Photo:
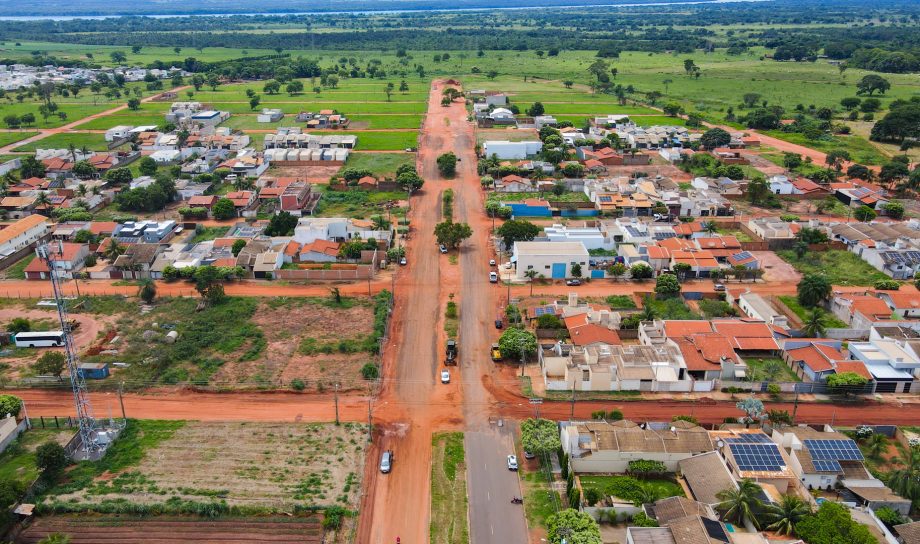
(496, 352)
(452, 350)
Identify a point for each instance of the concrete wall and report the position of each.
(361, 272)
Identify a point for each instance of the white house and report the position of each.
(504, 149)
(22, 234)
(270, 115)
(549, 259)
(591, 237)
(756, 307)
(780, 185)
(501, 113)
(118, 132)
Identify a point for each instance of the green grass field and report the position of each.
(93, 142)
(7, 138)
(831, 321)
(386, 141)
(380, 164)
(859, 148)
(840, 266)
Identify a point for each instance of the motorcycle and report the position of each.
(517, 500)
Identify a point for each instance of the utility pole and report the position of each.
(370, 426)
(121, 401)
(572, 415)
(336, 403)
(795, 405)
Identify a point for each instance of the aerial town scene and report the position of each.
(417, 271)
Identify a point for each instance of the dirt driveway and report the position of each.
(776, 270)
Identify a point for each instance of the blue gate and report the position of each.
(597, 274)
(558, 271)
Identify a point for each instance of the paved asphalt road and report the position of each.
(493, 518)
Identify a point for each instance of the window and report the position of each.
(546, 267)
(530, 267)
(586, 375)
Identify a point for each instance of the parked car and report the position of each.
(491, 262)
(386, 461)
(493, 277)
(512, 462)
(573, 283)
(496, 352)
(528, 455)
(442, 248)
(403, 261)
(718, 287)
(498, 323)
(445, 376)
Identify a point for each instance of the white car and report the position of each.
(403, 261)
(512, 462)
(445, 376)
(491, 262)
(493, 277)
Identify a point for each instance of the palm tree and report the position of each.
(648, 312)
(72, 149)
(113, 251)
(739, 505)
(876, 445)
(800, 248)
(81, 189)
(905, 480)
(783, 515)
(711, 227)
(815, 323)
(379, 222)
(531, 274)
(42, 200)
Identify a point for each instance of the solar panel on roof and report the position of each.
(762, 457)
(742, 255)
(833, 450)
(827, 466)
(606, 199)
(749, 438)
(715, 529)
(665, 235)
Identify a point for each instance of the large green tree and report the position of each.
(540, 436)
(832, 524)
(783, 516)
(573, 526)
(813, 289)
(517, 230)
(452, 234)
(513, 341)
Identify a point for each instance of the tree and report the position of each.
(740, 505)
(514, 340)
(536, 109)
(55, 538)
(900, 123)
(752, 408)
(51, 363)
(667, 285)
(238, 246)
(832, 524)
(452, 234)
(10, 404)
(893, 171)
(715, 137)
(50, 458)
(223, 209)
(894, 210)
(876, 445)
(783, 516)
(31, 168)
(281, 224)
(540, 436)
(147, 291)
(83, 169)
(865, 214)
(617, 270)
(641, 271)
(576, 270)
(859, 171)
(813, 290)
(871, 83)
(836, 158)
(815, 324)
(447, 164)
(889, 516)
(207, 283)
(254, 102)
(123, 176)
(113, 250)
(409, 180)
(574, 527)
(517, 230)
(761, 118)
(779, 417)
(850, 103)
(905, 479)
(118, 57)
(17, 325)
(146, 166)
(672, 109)
(134, 104)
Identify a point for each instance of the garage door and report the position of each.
(559, 271)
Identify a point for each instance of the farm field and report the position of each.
(266, 467)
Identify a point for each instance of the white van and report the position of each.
(493, 277)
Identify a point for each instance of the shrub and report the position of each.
(10, 404)
(645, 466)
(332, 517)
(889, 516)
(774, 389)
(691, 419)
(887, 285)
(19, 324)
(51, 459)
(539, 436)
(615, 415)
(641, 519)
(370, 371)
(298, 385)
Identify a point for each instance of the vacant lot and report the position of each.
(91, 141)
(841, 267)
(268, 467)
(380, 164)
(449, 523)
(629, 489)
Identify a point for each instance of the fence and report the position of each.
(360, 272)
(308, 163)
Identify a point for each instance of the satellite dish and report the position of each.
(720, 444)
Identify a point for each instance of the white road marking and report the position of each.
(488, 496)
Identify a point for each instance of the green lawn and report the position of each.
(16, 271)
(132, 118)
(621, 302)
(770, 370)
(540, 501)
(791, 302)
(92, 141)
(18, 461)
(840, 266)
(627, 488)
(380, 164)
(386, 141)
(357, 204)
(670, 308)
(208, 233)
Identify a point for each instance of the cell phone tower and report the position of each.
(87, 423)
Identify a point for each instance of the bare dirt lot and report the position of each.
(313, 174)
(776, 269)
(273, 465)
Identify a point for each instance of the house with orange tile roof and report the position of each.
(202, 201)
(904, 303)
(243, 201)
(319, 251)
(66, 258)
(513, 183)
(813, 361)
(861, 311)
(708, 355)
(17, 207)
(701, 261)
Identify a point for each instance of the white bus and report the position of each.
(39, 339)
